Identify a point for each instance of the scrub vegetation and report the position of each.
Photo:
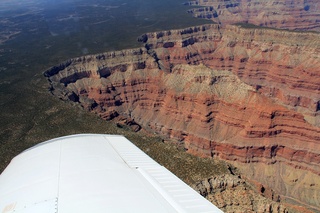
(46, 34)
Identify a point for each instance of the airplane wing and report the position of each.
(91, 173)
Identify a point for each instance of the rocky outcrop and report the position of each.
(242, 95)
(232, 194)
(264, 58)
(285, 14)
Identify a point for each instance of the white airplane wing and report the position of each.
(91, 173)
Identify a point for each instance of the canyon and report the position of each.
(247, 96)
(283, 14)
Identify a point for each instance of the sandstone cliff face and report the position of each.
(285, 14)
(232, 194)
(279, 64)
(242, 95)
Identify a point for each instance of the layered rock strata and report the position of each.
(242, 95)
(232, 194)
(285, 14)
(279, 64)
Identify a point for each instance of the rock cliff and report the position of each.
(232, 194)
(279, 64)
(285, 14)
(248, 96)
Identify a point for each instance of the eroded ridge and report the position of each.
(283, 14)
(248, 96)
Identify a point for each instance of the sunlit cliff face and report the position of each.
(283, 14)
(248, 96)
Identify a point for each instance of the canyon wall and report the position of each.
(280, 65)
(248, 96)
(284, 14)
(229, 192)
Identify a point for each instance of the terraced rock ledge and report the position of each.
(248, 96)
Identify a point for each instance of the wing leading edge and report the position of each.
(93, 173)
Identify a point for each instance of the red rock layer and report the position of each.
(279, 64)
(285, 14)
(205, 86)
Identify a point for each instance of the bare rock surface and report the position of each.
(232, 194)
(284, 14)
(247, 96)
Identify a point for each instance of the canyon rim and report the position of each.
(247, 95)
